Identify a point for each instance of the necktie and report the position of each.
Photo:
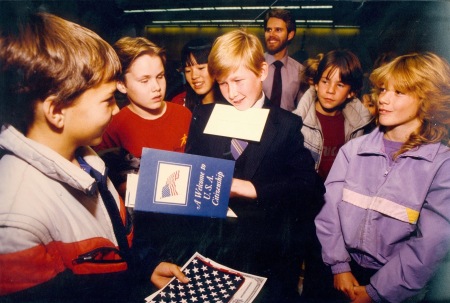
(275, 96)
(237, 147)
(113, 211)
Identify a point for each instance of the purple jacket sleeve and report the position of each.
(327, 222)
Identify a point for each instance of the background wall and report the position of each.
(384, 26)
(397, 27)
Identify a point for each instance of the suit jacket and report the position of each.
(279, 166)
(268, 237)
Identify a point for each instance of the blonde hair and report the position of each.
(130, 48)
(234, 49)
(309, 71)
(427, 77)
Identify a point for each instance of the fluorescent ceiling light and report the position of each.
(156, 10)
(319, 21)
(317, 6)
(177, 9)
(202, 9)
(244, 21)
(256, 7)
(228, 8)
(134, 11)
(291, 7)
(237, 21)
(286, 7)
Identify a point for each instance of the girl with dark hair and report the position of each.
(200, 87)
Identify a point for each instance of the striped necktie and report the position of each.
(237, 147)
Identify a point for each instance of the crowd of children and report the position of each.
(361, 197)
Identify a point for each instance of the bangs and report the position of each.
(350, 71)
(233, 50)
(195, 52)
(226, 65)
(331, 70)
(189, 61)
(345, 74)
(197, 57)
(399, 73)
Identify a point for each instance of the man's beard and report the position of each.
(277, 49)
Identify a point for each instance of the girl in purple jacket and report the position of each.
(385, 226)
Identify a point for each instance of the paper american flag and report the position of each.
(207, 284)
(210, 282)
(170, 189)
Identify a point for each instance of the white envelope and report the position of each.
(230, 122)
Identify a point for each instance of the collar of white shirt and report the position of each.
(260, 102)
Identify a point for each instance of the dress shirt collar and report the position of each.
(270, 59)
(260, 102)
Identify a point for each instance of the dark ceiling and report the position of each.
(407, 25)
(421, 24)
(343, 13)
(356, 13)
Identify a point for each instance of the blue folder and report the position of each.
(183, 184)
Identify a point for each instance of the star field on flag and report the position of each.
(207, 284)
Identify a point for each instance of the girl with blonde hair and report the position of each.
(385, 229)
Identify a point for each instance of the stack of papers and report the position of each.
(209, 282)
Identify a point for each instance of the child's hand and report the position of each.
(242, 188)
(361, 295)
(346, 283)
(166, 271)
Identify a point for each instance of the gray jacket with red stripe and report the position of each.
(394, 219)
(55, 232)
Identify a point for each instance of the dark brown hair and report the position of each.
(282, 14)
(44, 55)
(350, 69)
(194, 52)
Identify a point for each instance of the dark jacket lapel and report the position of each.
(256, 151)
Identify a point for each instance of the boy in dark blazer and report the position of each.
(275, 187)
